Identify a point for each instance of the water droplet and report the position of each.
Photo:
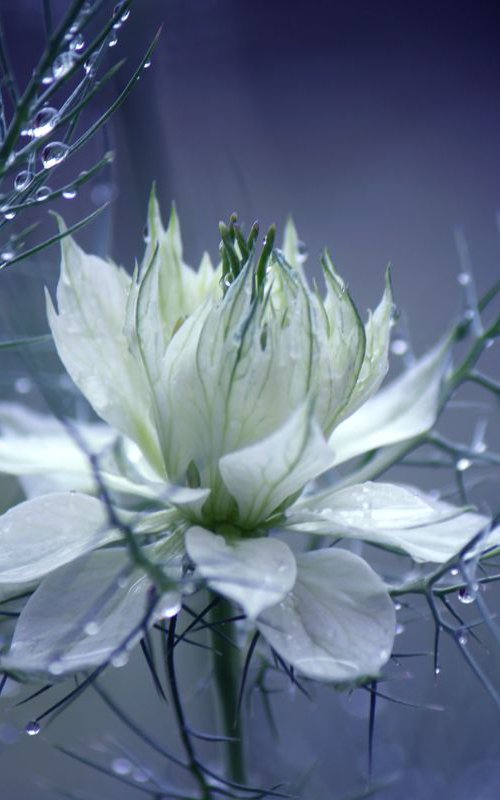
(77, 43)
(91, 628)
(469, 313)
(44, 122)
(397, 606)
(399, 347)
(90, 65)
(7, 254)
(462, 639)
(121, 766)
(454, 571)
(147, 64)
(120, 659)
(464, 278)
(399, 629)
(463, 464)
(69, 193)
(437, 670)
(47, 79)
(42, 193)
(466, 596)
(169, 605)
(8, 214)
(53, 154)
(62, 64)
(146, 235)
(22, 180)
(126, 13)
(32, 728)
(489, 343)
(56, 667)
(113, 39)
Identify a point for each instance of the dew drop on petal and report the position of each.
(169, 605)
(91, 628)
(54, 153)
(32, 728)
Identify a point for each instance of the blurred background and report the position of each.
(376, 125)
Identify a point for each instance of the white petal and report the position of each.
(36, 444)
(392, 516)
(405, 408)
(255, 573)
(261, 477)
(79, 617)
(90, 340)
(41, 534)
(338, 623)
(376, 358)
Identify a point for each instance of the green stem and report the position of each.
(227, 677)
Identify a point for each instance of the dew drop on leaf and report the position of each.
(466, 596)
(69, 193)
(62, 64)
(22, 180)
(32, 728)
(44, 122)
(42, 193)
(77, 43)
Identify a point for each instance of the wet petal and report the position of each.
(255, 573)
(338, 622)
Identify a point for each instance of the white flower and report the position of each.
(232, 389)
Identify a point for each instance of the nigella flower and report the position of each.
(231, 390)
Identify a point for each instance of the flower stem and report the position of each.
(227, 677)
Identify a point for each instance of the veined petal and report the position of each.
(338, 622)
(41, 534)
(166, 290)
(394, 517)
(79, 617)
(37, 444)
(255, 573)
(376, 358)
(90, 340)
(291, 247)
(406, 408)
(261, 477)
